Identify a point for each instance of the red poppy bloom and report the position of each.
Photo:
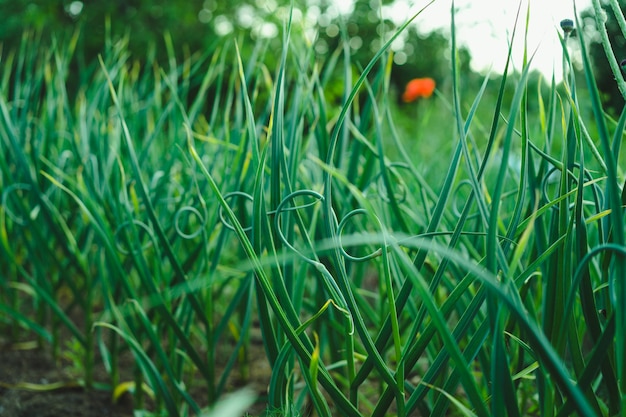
(418, 87)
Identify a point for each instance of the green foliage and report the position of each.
(195, 26)
(605, 78)
(192, 26)
(176, 209)
(417, 54)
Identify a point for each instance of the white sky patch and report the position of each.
(485, 27)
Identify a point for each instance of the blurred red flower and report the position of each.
(418, 87)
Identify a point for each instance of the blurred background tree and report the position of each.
(604, 76)
(199, 24)
(194, 23)
(416, 53)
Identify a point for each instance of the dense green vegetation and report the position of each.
(466, 259)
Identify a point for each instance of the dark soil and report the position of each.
(32, 384)
(18, 368)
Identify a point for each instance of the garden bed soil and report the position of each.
(19, 368)
(32, 384)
